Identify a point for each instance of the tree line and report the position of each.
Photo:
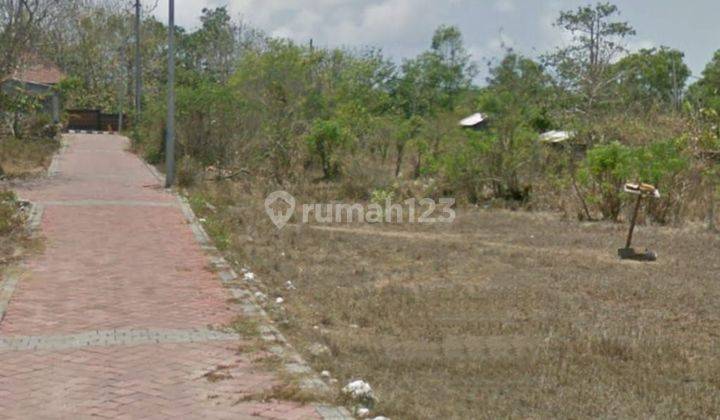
(353, 120)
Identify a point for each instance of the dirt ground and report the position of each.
(499, 314)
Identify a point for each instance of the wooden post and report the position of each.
(632, 221)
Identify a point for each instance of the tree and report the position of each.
(211, 49)
(706, 91)
(517, 99)
(450, 65)
(20, 21)
(652, 76)
(431, 86)
(435, 79)
(325, 139)
(584, 67)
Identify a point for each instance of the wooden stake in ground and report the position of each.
(642, 190)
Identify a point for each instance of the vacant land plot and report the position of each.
(499, 314)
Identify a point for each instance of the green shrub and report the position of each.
(10, 218)
(325, 141)
(661, 164)
(465, 168)
(607, 167)
(605, 170)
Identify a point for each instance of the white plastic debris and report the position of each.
(556, 136)
(318, 349)
(202, 220)
(362, 412)
(358, 390)
(325, 374)
(289, 285)
(249, 276)
(473, 120)
(279, 300)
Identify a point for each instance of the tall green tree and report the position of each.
(584, 67)
(706, 91)
(518, 100)
(212, 49)
(652, 76)
(451, 66)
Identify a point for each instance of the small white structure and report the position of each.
(554, 136)
(476, 121)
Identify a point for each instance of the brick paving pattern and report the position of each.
(118, 316)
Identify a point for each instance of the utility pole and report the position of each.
(170, 132)
(121, 92)
(138, 69)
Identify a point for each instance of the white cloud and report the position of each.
(403, 28)
(505, 6)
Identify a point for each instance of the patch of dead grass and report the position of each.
(501, 314)
(26, 158)
(286, 391)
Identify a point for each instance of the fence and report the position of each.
(94, 120)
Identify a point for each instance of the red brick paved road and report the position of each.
(111, 320)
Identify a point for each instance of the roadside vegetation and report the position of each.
(503, 313)
(14, 234)
(28, 137)
(351, 123)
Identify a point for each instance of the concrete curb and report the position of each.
(90, 132)
(10, 275)
(7, 288)
(113, 337)
(54, 167)
(244, 293)
(293, 363)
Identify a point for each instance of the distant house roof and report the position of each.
(555, 136)
(473, 120)
(35, 70)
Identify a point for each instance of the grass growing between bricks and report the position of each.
(246, 327)
(501, 314)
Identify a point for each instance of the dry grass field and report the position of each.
(26, 158)
(500, 314)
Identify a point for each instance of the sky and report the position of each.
(403, 28)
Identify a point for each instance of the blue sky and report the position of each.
(402, 28)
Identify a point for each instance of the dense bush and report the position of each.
(352, 122)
